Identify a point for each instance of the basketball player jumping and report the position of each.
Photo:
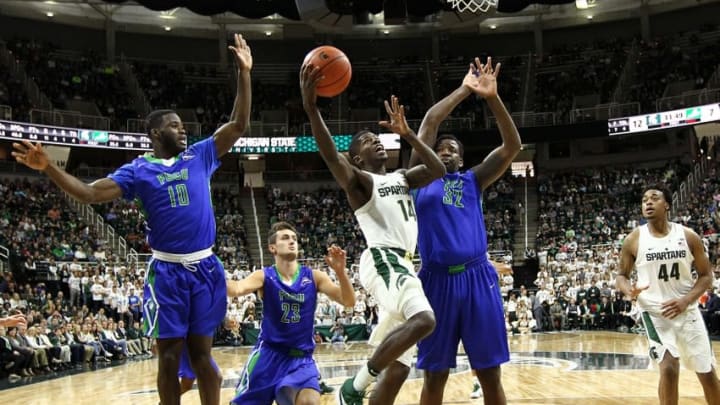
(281, 367)
(384, 209)
(459, 280)
(185, 285)
(664, 254)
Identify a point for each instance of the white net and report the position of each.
(473, 6)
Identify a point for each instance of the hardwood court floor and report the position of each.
(562, 368)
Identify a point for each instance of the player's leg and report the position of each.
(433, 388)
(165, 318)
(389, 384)
(186, 384)
(697, 354)
(301, 385)
(669, 378)
(437, 353)
(307, 396)
(263, 371)
(711, 386)
(485, 312)
(207, 309)
(392, 280)
(169, 352)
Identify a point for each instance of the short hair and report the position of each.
(277, 227)
(355, 142)
(461, 148)
(667, 195)
(155, 118)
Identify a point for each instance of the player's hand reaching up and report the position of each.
(32, 156)
(397, 124)
(310, 76)
(482, 79)
(243, 56)
(336, 259)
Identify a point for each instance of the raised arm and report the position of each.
(430, 166)
(35, 157)
(343, 293)
(498, 161)
(249, 284)
(341, 168)
(229, 133)
(627, 264)
(438, 113)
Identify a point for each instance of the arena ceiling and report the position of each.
(278, 19)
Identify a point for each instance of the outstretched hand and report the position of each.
(481, 79)
(32, 156)
(13, 321)
(397, 124)
(309, 78)
(243, 55)
(336, 259)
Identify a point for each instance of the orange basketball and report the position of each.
(334, 65)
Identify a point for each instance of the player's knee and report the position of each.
(306, 401)
(436, 379)
(396, 373)
(489, 376)
(670, 368)
(423, 323)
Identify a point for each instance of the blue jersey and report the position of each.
(175, 197)
(451, 227)
(289, 311)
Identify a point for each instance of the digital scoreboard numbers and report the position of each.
(663, 120)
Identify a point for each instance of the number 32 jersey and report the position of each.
(665, 265)
(388, 219)
(174, 195)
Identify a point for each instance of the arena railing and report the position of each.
(5, 112)
(526, 119)
(72, 119)
(138, 125)
(604, 112)
(692, 181)
(351, 127)
(688, 99)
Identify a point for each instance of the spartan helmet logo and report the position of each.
(654, 354)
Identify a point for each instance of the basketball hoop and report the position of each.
(473, 6)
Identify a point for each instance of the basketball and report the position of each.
(334, 65)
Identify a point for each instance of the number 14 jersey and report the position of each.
(388, 219)
(664, 264)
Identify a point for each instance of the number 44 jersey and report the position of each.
(665, 265)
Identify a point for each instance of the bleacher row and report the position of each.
(565, 82)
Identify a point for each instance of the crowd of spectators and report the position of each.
(670, 59)
(12, 93)
(85, 77)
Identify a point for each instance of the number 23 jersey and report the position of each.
(665, 265)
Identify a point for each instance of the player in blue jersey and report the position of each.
(459, 280)
(280, 367)
(184, 295)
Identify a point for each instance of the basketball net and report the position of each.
(473, 6)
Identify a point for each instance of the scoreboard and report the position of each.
(62, 136)
(664, 120)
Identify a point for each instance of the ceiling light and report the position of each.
(386, 32)
(50, 2)
(589, 17)
(581, 4)
(268, 33)
(167, 28)
(50, 14)
(493, 27)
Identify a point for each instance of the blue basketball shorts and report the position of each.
(186, 370)
(271, 375)
(468, 307)
(184, 299)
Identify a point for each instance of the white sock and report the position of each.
(363, 379)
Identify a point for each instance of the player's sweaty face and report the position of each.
(449, 153)
(286, 242)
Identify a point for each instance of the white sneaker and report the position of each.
(477, 391)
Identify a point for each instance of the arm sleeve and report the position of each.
(207, 150)
(125, 178)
